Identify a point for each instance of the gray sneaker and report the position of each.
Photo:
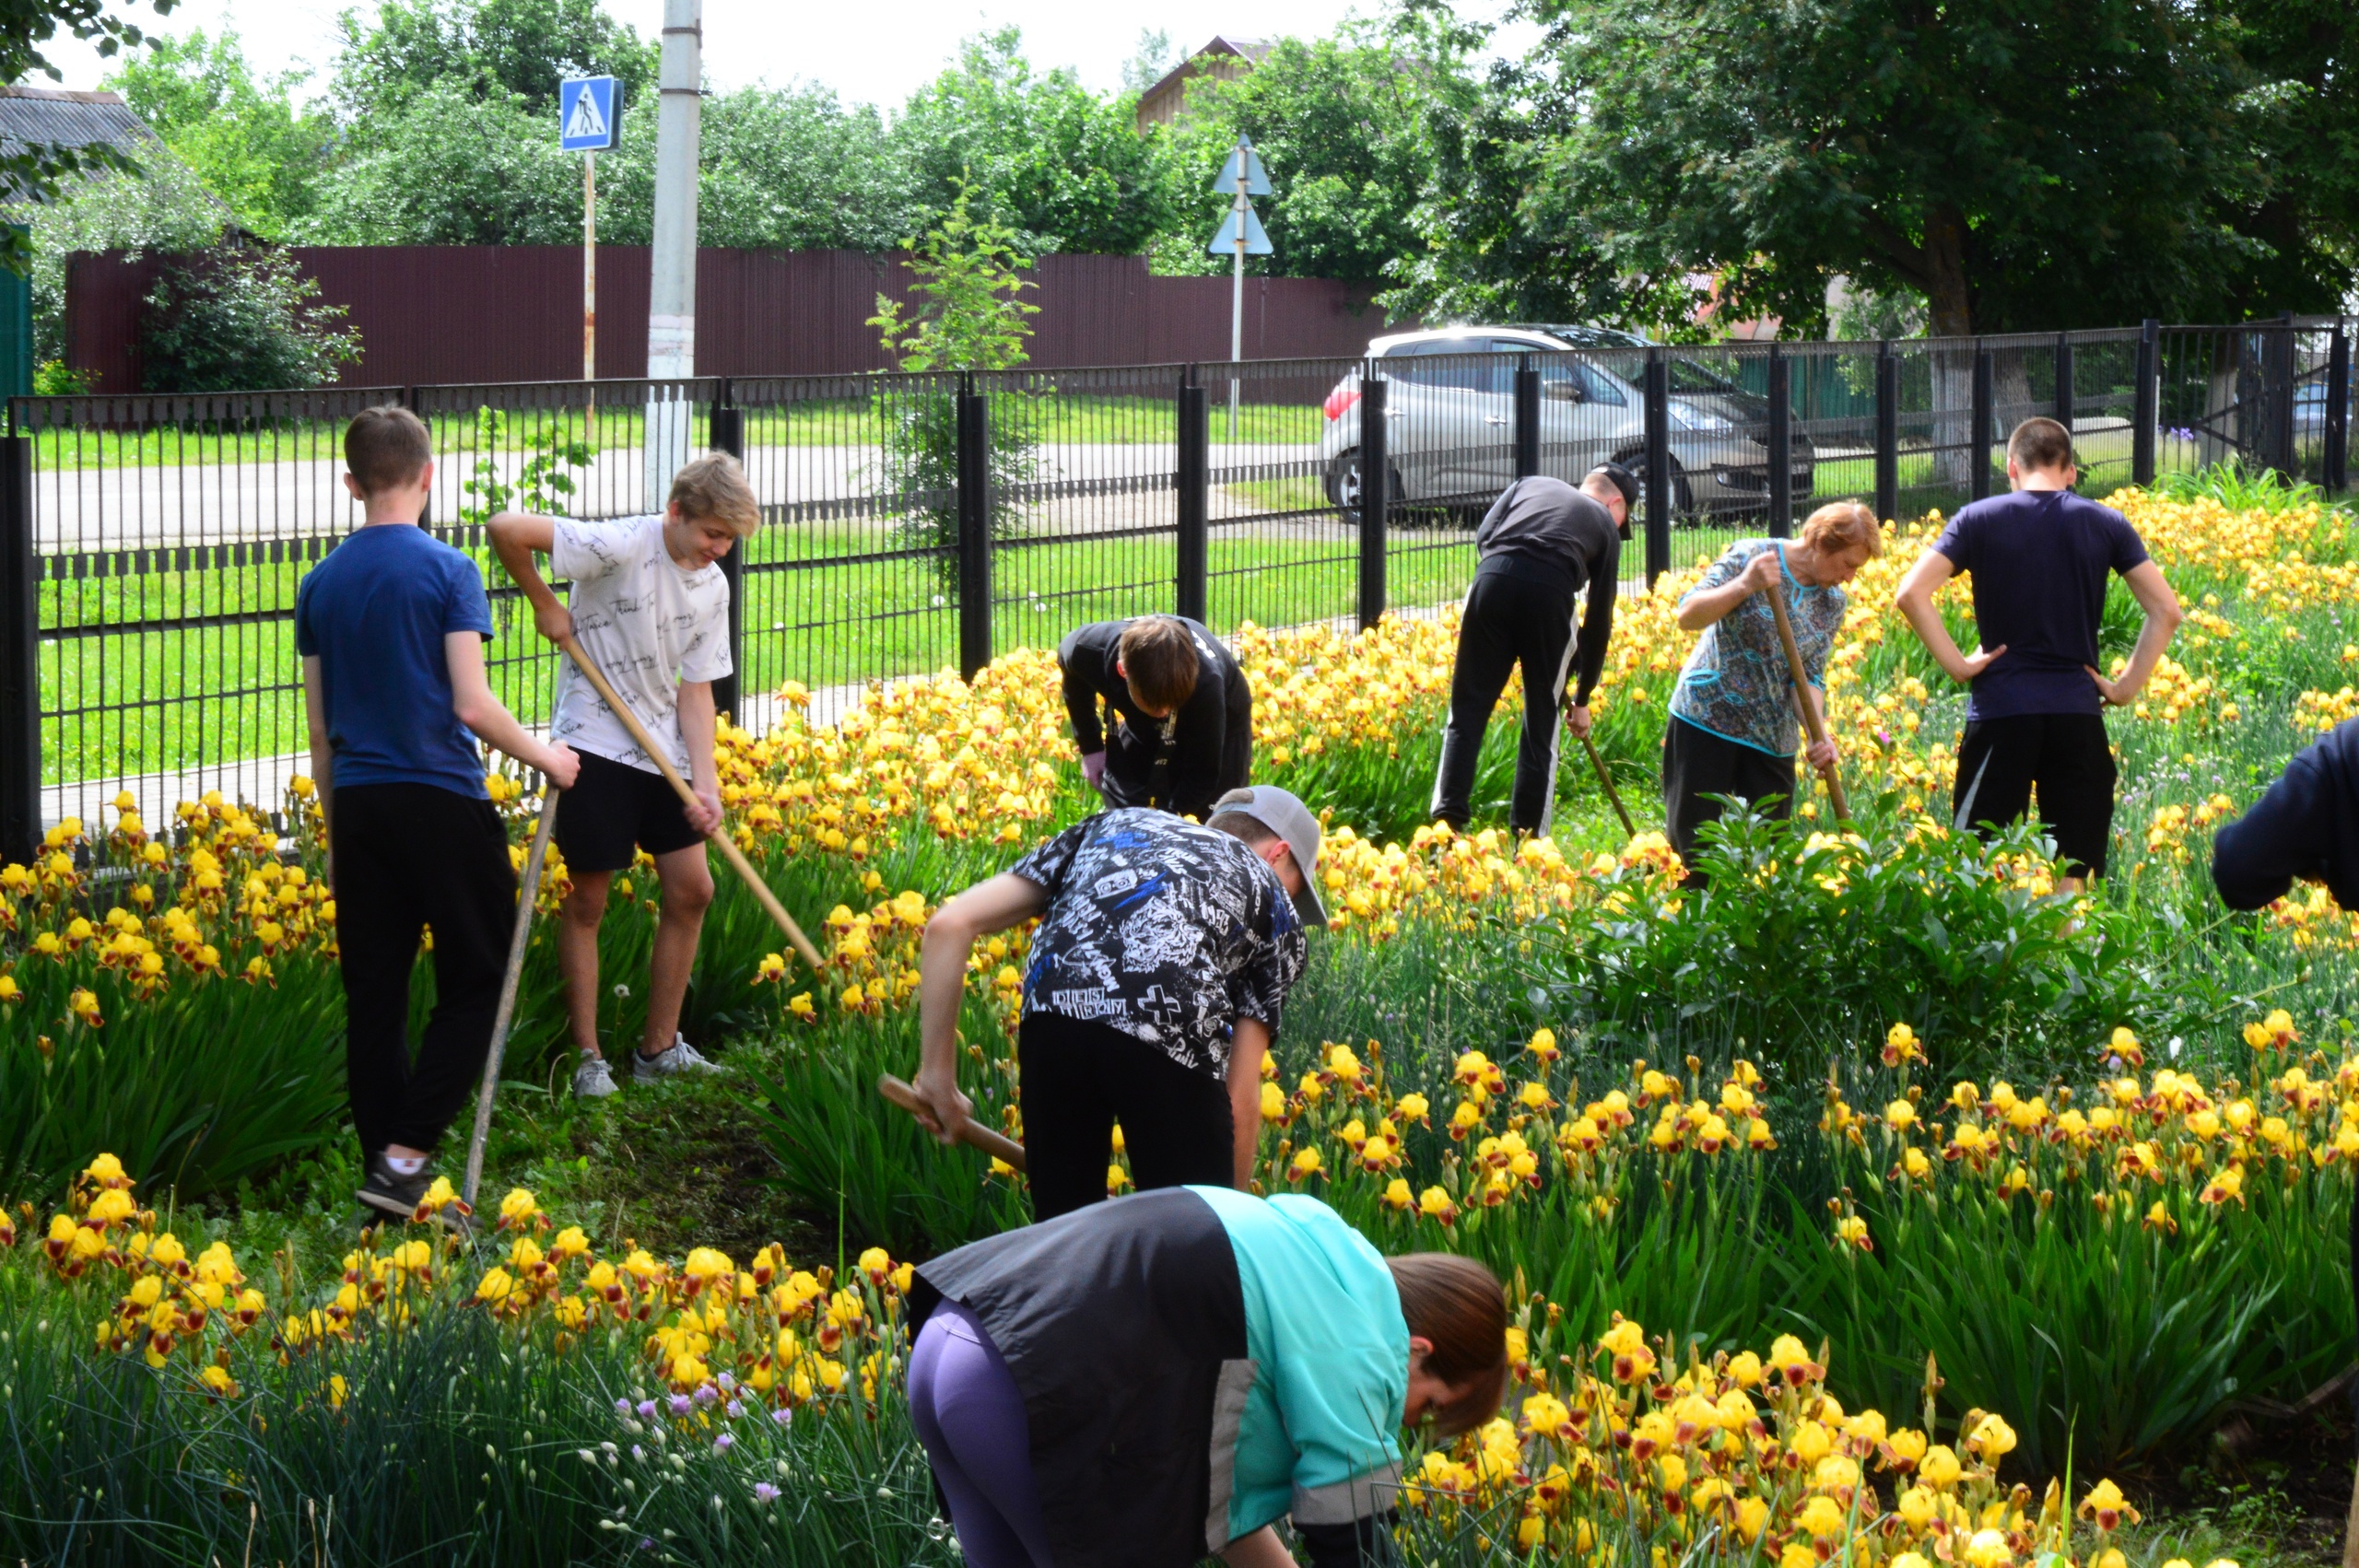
(593, 1080)
(681, 1058)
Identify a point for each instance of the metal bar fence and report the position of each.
(152, 548)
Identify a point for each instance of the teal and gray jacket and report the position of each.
(1195, 1363)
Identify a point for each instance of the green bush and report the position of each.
(240, 319)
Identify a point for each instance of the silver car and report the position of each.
(1449, 416)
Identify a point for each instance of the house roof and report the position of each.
(33, 117)
(1252, 50)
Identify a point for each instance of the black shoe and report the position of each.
(389, 1192)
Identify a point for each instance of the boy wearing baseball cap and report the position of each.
(1162, 961)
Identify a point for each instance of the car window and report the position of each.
(1601, 388)
(1459, 364)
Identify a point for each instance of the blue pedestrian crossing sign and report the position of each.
(586, 113)
(1245, 164)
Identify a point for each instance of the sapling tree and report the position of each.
(967, 313)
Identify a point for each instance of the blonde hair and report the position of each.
(714, 486)
(1842, 525)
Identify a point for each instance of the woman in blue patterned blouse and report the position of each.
(1735, 718)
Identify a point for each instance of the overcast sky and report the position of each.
(868, 52)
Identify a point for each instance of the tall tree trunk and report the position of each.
(1950, 302)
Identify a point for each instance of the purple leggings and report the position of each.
(970, 1415)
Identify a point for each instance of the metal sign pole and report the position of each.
(590, 288)
(1236, 293)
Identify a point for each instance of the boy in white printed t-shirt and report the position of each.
(649, 605)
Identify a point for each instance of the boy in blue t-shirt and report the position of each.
(390, 629)
(2039, 559)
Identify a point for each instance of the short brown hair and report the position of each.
(385, 446)
(714, 486)
(2040, 443)
(1158, 659)
(1843, 525)
(1461, 1308)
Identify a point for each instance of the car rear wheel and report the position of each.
(1344, 480)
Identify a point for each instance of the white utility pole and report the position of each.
(671, 287)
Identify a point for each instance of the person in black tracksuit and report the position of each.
(2306, 826)
(1177, 757)
(1541, 543)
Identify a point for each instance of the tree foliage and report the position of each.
(491, 48)
(1058, 164)
(164, 207)
(1341, 125)
(245, 138)
(35, 173)
(2021, 166)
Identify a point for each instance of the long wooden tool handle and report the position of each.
(1802, 696)
(972, 1133)
(721, 839)
(499, 1021)
(1628, 827)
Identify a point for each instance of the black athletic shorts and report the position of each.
(613, 806)
(2064, 757)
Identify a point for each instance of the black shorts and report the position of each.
(613, 806)
(2065, 756)
(1080, 1077)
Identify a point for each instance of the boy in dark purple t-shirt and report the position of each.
(2039, 557)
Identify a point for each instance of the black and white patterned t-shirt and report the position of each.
(1162, 929)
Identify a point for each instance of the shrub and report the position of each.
(238, 319)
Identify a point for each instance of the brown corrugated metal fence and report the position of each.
(462, 313)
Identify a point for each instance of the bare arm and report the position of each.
(1246, 1050)
(1915, 600)
(489, 719)
(315, 725)
(1261, 1549)
(516, 538)
(2152, 591)
(1005, 900)
(697, 725)
(1705, 605)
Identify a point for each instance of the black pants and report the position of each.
(1697, 764)
(410, 856)
(1078, 1078)
(1513, 617)
(2066, 756)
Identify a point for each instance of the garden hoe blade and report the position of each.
(516, 946)
(972, 1133)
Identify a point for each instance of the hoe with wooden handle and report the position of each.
(972, 1133)
(721, 839)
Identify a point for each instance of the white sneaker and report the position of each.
(681, 1058)
(593, 1080)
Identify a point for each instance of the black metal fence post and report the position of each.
(974, 531)
(1781, 443)
(2334, 471)
(1527, 418)
(1194, 480)
(1376, 469)
(2064, 405)
(20, 824)
(1658, 478)
(1978, 471)
(727, 434)
(1888, 433)
(2277, 380)
(2145, 403)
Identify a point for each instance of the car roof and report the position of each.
(1394, 342)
